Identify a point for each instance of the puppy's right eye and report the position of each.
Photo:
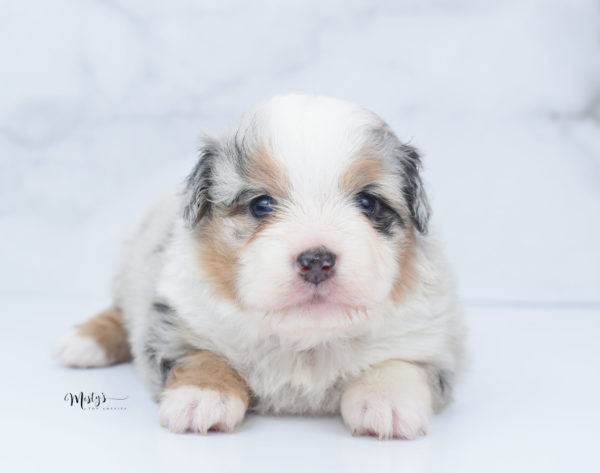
(262, 206)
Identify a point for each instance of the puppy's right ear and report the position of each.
(197, 200)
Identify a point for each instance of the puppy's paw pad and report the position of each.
(373, 413)
(79, 351)
(195, 409)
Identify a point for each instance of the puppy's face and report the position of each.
(307, 212)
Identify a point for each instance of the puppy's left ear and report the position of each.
(413, 189)
(197, 199)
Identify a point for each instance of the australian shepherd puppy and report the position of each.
(294, 273)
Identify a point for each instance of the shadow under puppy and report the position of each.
(293, 273)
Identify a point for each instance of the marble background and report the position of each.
(102, 104)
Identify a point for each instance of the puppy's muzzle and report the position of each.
(316, 265)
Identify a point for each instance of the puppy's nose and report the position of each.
(316, 265)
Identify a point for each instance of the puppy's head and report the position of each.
(307, 212)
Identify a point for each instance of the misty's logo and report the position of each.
(94, 401)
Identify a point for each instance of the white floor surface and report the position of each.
(528, 403)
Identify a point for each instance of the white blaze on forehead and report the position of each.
(314, 138)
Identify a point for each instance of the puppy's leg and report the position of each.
(203, 393)
(100, 341)
(391, 400)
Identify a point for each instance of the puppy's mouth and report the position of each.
(317, 299)
(320, 298)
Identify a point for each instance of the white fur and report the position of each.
(365, 269)
(78, 351)
(193, 409)
(390, 401)
(297, 358)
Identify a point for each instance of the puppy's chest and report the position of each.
(285, 379)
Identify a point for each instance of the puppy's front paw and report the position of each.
(391, 400)
(194, 409)
(385, 415)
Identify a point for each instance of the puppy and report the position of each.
(292, 273)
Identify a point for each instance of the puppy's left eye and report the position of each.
(367, 203)
(262, 206)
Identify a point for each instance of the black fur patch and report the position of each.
(162, 307)
(165, 367)
(413, 189)
(159, 338)
(199, 183)
(441, 382)
(385, 218)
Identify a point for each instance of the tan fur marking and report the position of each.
(407, 280)
(360, 173)
(107, 330)
(263, 169)
(207, 370)
(218, 259)
(217, 248)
